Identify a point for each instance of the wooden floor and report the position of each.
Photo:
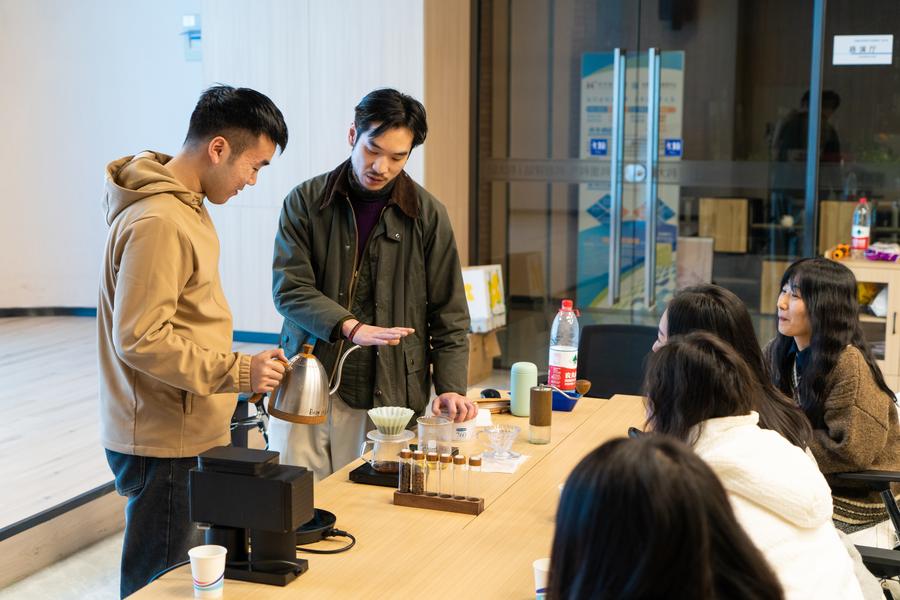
(49, 440)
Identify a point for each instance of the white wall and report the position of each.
(87, 82)
(316, 59)
(82, 83)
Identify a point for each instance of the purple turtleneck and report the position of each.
(367, 207)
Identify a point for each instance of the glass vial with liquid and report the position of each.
(431, 474)
(445, 474)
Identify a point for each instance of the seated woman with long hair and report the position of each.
(821, 359)
(646, 518)
(714, 309)
(702, 392)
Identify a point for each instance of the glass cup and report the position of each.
(499, 439)
(435, 434)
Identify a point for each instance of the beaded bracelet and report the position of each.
(354, 330)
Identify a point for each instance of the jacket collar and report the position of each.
(404, 194)
(721, 425)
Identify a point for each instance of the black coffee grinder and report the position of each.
(252, 505)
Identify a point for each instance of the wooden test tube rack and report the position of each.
(469, 506)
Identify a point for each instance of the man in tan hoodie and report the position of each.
(168, 378)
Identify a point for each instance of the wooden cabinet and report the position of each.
(726, 221)
(882, 332)
(835, 219)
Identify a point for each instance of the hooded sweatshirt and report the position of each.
(168, 377)
(783, 503)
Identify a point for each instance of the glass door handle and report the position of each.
(615, 176)
(653, 71)
(634, 173)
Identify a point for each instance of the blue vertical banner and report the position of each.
(594, 199)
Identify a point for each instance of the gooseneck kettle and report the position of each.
(302, 396)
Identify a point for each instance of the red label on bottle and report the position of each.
(562, 378)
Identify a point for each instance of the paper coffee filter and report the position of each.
(390, 420)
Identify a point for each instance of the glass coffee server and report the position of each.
(604, 124)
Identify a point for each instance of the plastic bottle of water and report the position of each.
(859, 233)
(564, 348)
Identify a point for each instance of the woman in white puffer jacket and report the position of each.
(701, 391)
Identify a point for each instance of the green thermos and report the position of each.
(522, 377)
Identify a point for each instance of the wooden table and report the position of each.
(405, 552)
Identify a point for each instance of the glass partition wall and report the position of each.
(604, 124)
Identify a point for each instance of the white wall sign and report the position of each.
(863, 50)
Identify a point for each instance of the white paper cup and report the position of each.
(208, 570)
(541, 571)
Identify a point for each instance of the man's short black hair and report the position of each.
(240, 115)
(389, 109)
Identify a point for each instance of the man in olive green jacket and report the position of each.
(364, 255)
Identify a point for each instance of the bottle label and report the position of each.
(563, 366)
(859, 237)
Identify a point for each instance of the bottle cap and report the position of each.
(432, 456)
(459, 459)
(475, 461)
(418, 455)
(446, 458)
(405, 453)
(567, 304)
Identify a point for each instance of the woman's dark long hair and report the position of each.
(696, 377)
(828, 289)
(647, 518)
(717, 310)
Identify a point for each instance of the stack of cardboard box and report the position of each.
(487, 309)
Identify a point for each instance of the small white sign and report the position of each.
(863, 50)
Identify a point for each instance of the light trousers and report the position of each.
(326, 447)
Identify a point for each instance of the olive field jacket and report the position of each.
(414, 277)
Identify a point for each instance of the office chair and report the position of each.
(612, 357)
(883, 563)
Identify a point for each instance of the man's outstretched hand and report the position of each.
(370, 335)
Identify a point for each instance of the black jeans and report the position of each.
(158, 527)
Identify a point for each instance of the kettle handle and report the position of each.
(258, 396)
(337, 378)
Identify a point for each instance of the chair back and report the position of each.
(612, 357)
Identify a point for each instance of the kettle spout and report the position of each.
(337, 378)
